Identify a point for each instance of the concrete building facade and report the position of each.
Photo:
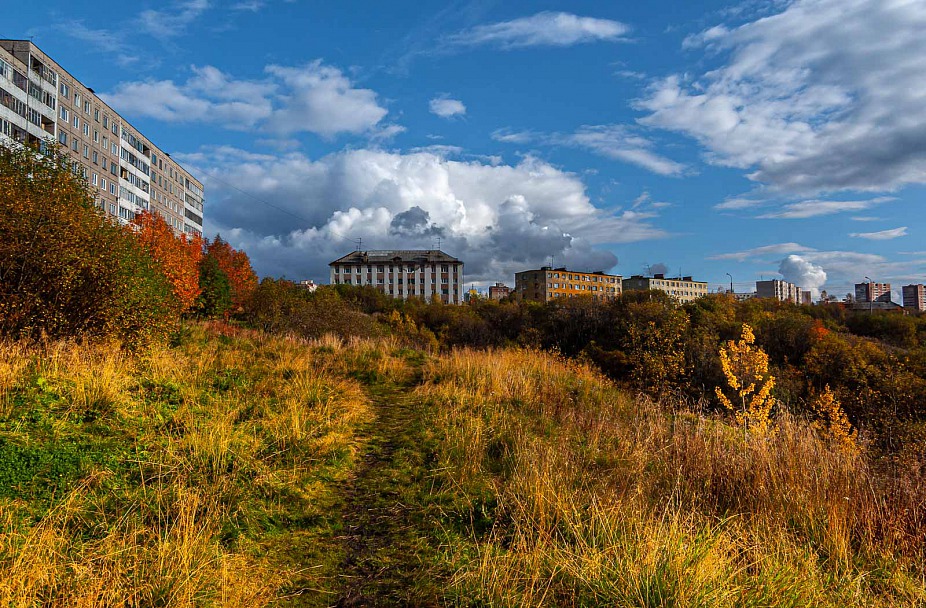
(872, 292)
(499, 291)
(684, 289)
(41, 102)
(411, 273)
(914, 297)
(776, 289)
(546, 284)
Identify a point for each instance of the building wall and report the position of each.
(914, 297)
(548, 284)
(783, 291)
(874, 292)
(126, 172)
(684, 289)
(499, 291)
(405, 280)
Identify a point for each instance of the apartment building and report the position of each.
(41, 102)
(914, 297)
(403, 274)
(776, 289)
(547, 283)
(684, 289)
(499, 291)
(872, 292)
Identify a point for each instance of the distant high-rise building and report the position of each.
(546, 284)
(777, 289)
(914, 297)
(40, 102)
(872, 292)
(403, 274)
(684, 289)
(806, 298)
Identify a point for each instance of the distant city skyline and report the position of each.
(765, 140)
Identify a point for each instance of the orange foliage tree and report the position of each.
(237, 267)
(177, 257)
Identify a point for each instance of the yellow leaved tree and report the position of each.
(832, 421)
(745, 367)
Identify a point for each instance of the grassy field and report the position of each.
(238, 469)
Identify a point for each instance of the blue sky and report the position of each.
(760, 139)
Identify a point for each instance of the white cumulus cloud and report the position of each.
(803, 273)
(445, 107)
(314, 98)
(299, 213)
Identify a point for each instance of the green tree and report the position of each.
(215, 297)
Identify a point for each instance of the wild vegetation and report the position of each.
(245, 444)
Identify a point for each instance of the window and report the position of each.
(64, 90)
(105, 121)
(103, 184)
(76, 122)
(86, 129)
(74, 144)
(86, 151)
(76, 99)
(114, 149)
(112, 188)
(96, 136)
(95, 179)
(96, 157)
(64, 114)
(96, 114)
(87, 107)
(63, 138)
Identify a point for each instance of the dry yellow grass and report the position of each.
(183, 445)
(606, 500)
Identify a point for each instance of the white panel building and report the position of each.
(411, 273)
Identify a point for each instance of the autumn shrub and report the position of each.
(177, 257)
(64, 269)
(279, 306)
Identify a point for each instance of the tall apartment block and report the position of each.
(546, 283)
(403, 274)
(914, 297)
(499, 291)
(684, 289)
(776, 289)
(872, 292)
(127, 173)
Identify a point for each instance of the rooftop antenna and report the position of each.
(551, 262)
(438, 243)
(359, 243)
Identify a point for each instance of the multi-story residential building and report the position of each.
(807, 298)
(776, 289)
(41, 102)
(914, 297)
(499, 291)
(546, 283)
(872, 292)
(684, 289)
(403, 274)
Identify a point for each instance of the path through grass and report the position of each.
(392, 508)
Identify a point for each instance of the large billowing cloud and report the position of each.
(314, 98)
(299, 214)
(825, 96)
(803, 273)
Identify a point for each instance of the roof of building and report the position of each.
(384, 256)
(564, 269)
